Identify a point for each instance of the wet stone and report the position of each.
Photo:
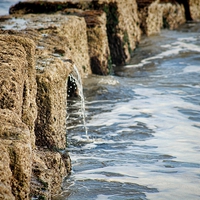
(122, 25)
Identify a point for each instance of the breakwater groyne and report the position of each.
(40, 42)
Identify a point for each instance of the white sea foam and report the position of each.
(168, 123)
(192, 69)
(188, 46)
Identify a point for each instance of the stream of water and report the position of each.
(143, 125)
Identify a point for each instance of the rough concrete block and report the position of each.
(50, 128)
(16, 144)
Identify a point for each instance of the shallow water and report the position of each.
(143, 125)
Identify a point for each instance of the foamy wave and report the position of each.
(192, 69)
(171, 50)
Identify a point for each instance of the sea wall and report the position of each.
(40, 44)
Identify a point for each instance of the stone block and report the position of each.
(53, 67)
(98, 46)
(16, 146)
(17, 78)
(157, 14)
(194, 8)
(173, 15)
(6, 174)
(49, 169)
(123, 29)
(151, 19)
(55, 34)
(50, 128)
(58, 38)
(12, 74)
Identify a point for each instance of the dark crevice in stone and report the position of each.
(187, 8)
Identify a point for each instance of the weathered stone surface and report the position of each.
(75, 31)
(123, 29)
(55, 46)
(6, 174)
(158, 14)
(98, 46)
(150, 17)
(194, 7)
(53, 67)
(49, 169)
(173, 15)
(61, 41)
(18, 111)
(16, 143)
(17, 78)
(45, 6)
(12, 75)
(60, 35)
(128, 28)
(52, 79)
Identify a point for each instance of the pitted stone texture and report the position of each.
(17, 78)
(6, 175)
(150, 17)
(195, 9)
(56, 34)
(98, 46)
(173, 15)
(15, 139)
(12, 75)
(49, 169)
(52, 76)
(160, 14)
(75, 31)
(123, 28)
(129, 23)
(99, 51)
(122, 21)
(47, 45)
(50, 128)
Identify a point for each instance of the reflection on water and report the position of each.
(144, 126)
